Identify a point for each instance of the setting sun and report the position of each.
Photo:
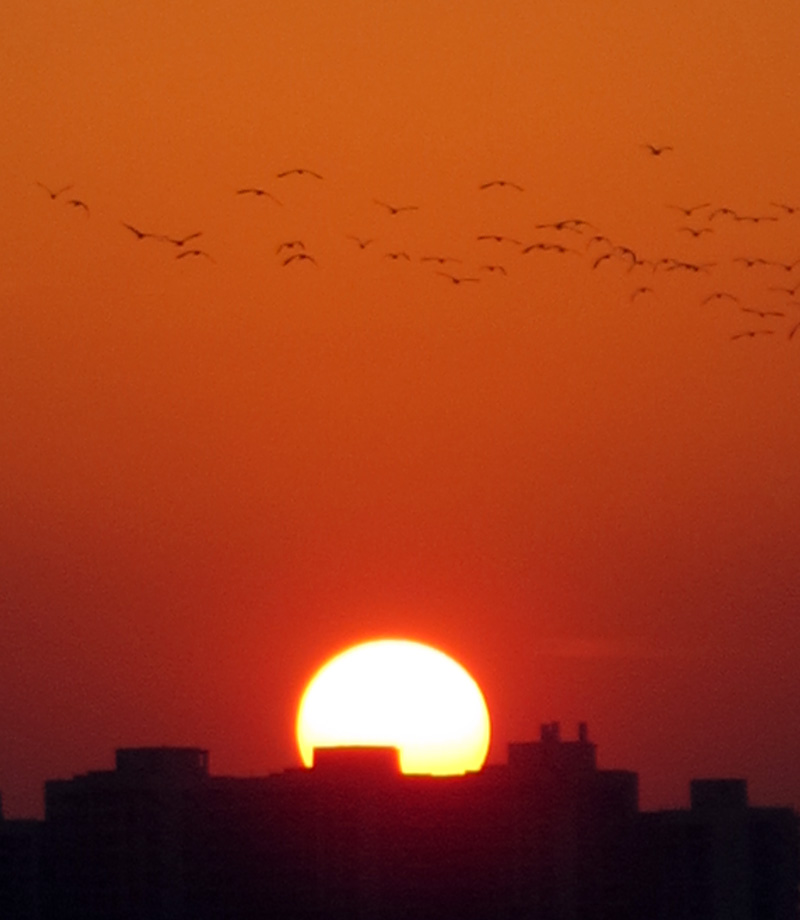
(394, 692)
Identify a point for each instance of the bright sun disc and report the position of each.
(398, 693)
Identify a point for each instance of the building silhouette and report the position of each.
(546, 836)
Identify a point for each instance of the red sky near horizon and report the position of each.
(581, 482)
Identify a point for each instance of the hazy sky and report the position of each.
(218, 470)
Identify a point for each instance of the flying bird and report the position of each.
(572, 223)
(394, 209)
(687, 212)
(792, 291)
(666, 261)
(575, 223)
(398, 255)
(362, 244)
(786, 266)
(754, 219)
(140, 234)
(498, 238)
(456, 279)
(655, 150)
(641, 290)
(720, 295)
(77, 203)
(194, 253)
(750, 263)
(690, 266)
(501, 183)
(493, 268)
(724, 212)
(299, 172)
(763, 314)
(696, 231)
(442, 260)
(177, 241)
(549, 247)
(627, 252)
(751, 333)
(54, 194)
(290, 244)
(300, 257)
(788, 208)
(258, 192)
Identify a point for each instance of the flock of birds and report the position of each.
(572, 236)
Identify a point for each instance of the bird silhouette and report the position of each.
(641, 290)
(396, 209)
(290, 244)
(787, 208)
(786, 266)
(493, 268)
(655, 150)
(300, 257)
(456, 279)
(362, 244)
(498, 238)
(398, 255)
(750, 263)
(181, 241)
(572, 223)
(687, 212)
(755, 218)
(752, 333)
(677, 265)
(258, 192)
(442, 260)
(720, 295)
(77, 203)
(194, 253)
(54, 193)
(576, 223)
(696, 231)
(299, 171)
(501, 183)
(762, 313)
(600, 259)
(140, 234)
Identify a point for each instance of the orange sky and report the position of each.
(216, 474)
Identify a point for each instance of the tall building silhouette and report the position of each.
(545, 836)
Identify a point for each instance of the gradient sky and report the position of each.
(216, 474)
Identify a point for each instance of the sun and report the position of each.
(397, 693)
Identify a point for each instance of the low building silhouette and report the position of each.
(20, 869)
(721, 859)
(546, 836)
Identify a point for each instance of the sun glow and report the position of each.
(394, 692)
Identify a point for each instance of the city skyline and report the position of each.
(548, 833)
(472, 325)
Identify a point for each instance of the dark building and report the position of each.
(721, 859)
(20, 869)
(547, 836)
